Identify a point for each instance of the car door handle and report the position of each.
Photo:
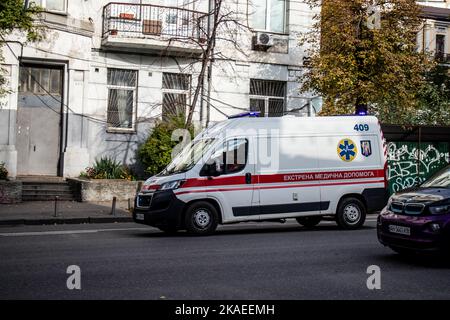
(248, 178)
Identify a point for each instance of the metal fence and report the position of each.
(144, 20)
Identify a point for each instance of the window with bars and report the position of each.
(176, 88)
(122, 87)
(40, 80)
(268, 97)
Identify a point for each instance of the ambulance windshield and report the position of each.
(187, 158)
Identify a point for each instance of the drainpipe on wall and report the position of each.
(211, 8)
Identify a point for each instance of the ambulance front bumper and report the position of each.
(158, 209)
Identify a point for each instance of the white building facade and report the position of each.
(105, 72)
(434, 37)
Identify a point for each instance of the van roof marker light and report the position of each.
(246, 114)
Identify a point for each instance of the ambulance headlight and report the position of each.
(172, 185)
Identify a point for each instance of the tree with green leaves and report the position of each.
(15, 16)
(156, 152)
(363, 57)
(434, 98)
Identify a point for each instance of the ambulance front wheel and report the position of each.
(201, 218)
(351, 214)
(309, 222)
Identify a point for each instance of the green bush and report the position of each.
(3, 171)
(156, 152)
(107, 168)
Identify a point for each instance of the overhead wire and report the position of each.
(98, 120)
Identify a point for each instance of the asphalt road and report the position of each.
(247, 261)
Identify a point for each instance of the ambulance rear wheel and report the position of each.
(309, 222)
(351, 214)
(201, 218)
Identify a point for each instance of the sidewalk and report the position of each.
(69, 212)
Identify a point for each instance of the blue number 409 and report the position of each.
(361, 127)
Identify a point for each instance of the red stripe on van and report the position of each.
(285, 178)
(279, 187)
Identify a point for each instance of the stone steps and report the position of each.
(48, 191)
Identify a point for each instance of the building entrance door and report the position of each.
(39, 114)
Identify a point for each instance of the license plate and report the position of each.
(140, 216)
(400, 230)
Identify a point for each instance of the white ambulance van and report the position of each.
(270, 169)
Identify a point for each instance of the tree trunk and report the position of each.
(205, 60)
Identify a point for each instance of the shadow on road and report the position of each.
(419, 260)
(241, 230)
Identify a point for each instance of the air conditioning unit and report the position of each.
(264, 39)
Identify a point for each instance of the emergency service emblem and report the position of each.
(347, 150)
(366, 148)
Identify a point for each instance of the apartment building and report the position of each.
(107, 70)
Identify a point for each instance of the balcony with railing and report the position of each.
(147, 27)
(442, 58)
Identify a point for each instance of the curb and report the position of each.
(33, 222)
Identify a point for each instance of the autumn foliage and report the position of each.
(355, 65)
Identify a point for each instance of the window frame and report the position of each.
(444, 40)
(29, 84)
(186, 92)
(267, 98)
(224, 145)
(112, 129)
(268, 19)
(43, 4)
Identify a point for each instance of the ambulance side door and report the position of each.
(233, 186)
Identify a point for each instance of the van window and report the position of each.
(231, 157)
(187, 158)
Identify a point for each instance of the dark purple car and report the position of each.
(418, 220)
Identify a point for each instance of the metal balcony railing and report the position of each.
(143, 20)
(442, 57)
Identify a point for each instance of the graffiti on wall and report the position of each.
(409, 166)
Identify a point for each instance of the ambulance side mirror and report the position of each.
(209, 170)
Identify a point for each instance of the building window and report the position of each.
(176, 88)
(52, 5)
(269, 15)
(122, 88)
(440, 47)
(268, 97)
(42, 81)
